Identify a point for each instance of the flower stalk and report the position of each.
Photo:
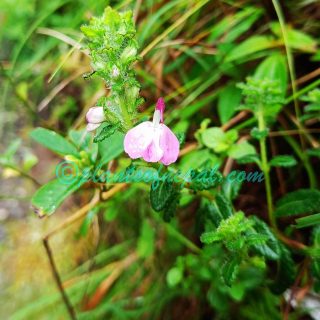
(113, 50)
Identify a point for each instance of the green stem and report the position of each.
(305, 159)
(181, 238)
(265, 168)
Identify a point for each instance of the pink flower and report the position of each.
(152, 141)
(95, 116)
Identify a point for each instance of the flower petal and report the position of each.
(92, 126)
(154, 153)
(138, 139)
(170, 146)
(95, 115)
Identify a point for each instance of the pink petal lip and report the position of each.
(170, 146)
(95, 115)
(138, 139)
(152, 143)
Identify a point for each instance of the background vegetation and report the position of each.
(241, 84)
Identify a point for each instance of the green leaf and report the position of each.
(297, 39)
(286, 272)
(256, 239)
(250, 46)
(315, 266)
(211, 211)
(241, 150)
(171, 206)
(259, 134)
(229, 99)
(84, 228)
(308, 221)
(303, 201)
(270, 248)
(106, 132)
(224, 205)
(314, 152)
(218, 140)
(145, 245)
(274, 68)
(54, 142)
(160, 196)
(49, 197)
(111, 147)
(229, 270)
(283, 161)
(174, 276)
(231, 189)
(80, 138)
(206, 179)
(210, 237)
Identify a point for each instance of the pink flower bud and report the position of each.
(161, 106)
(95, 116)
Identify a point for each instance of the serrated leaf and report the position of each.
(256, 239)
(303, 201)
(231, 189)
(211, 211)
(160, 196)
(54, 142)
(283, 161)
(224, 206)
(270, 248)
(274, 68)
(229, 270)
(106, 132)
(206, 179)
(171, 206)
(210, 237)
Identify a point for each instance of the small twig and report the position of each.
(76, 216)
(109, 281)
(308, 76)
(240, 116)
(53, 266)
(44, 103)
(188, 148)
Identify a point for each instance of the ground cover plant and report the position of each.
(160, 160)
